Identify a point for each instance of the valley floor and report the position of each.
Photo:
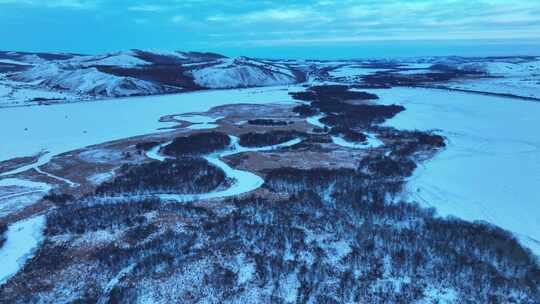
(488, 171)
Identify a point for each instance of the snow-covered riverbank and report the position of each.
(491, 168)
(22, 239)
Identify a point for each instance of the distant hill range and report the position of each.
(44, 78)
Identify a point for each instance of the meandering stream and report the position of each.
(371, 142)
(243, 181)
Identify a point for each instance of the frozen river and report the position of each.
(491, 168)
(60, 128)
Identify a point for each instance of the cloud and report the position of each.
(273, 15)
(272, 22)
(147, 8)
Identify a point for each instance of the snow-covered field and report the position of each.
(22, 238)
(490, 170)
(351, 71)
(526, 87)
(514, 76)
(15, 194)
(65, 127)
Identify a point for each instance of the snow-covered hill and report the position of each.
(43, 78)
(87, 81)
(27, 79)
(243, 72)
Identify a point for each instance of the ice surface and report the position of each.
(371, 142)
(200, 122)
(316, 121)
(22, 238)
(154, 152)
(65, 127)
(491, 168)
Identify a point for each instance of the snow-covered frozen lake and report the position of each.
(65, 127)
(491, 168)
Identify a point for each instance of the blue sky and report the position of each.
(305, 29)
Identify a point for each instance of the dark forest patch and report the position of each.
(267, 122)
(171, 75)
(268, 138)
(197, 144)
(182, 175)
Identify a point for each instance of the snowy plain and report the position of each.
(490, 170)
(19, 194)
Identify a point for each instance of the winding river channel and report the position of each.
(243, 181)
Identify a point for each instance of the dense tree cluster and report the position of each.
(183, 175)
(335, 239)
(348, 134)
(342, 116)
(267, 122)
(305, 110)
(440, 73)
(354, 116)
(407, 143)
(58, 197)
(197, 144)
(332, 93)
(268, 138)
(387, 166)
(147, 145)
(171, 75)
(3, 229)
(89, 216)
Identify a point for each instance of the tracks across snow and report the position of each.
(43, 159)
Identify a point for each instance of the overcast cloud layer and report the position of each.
(266, 27)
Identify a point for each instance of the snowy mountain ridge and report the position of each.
(44, 78)
(131, 73)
